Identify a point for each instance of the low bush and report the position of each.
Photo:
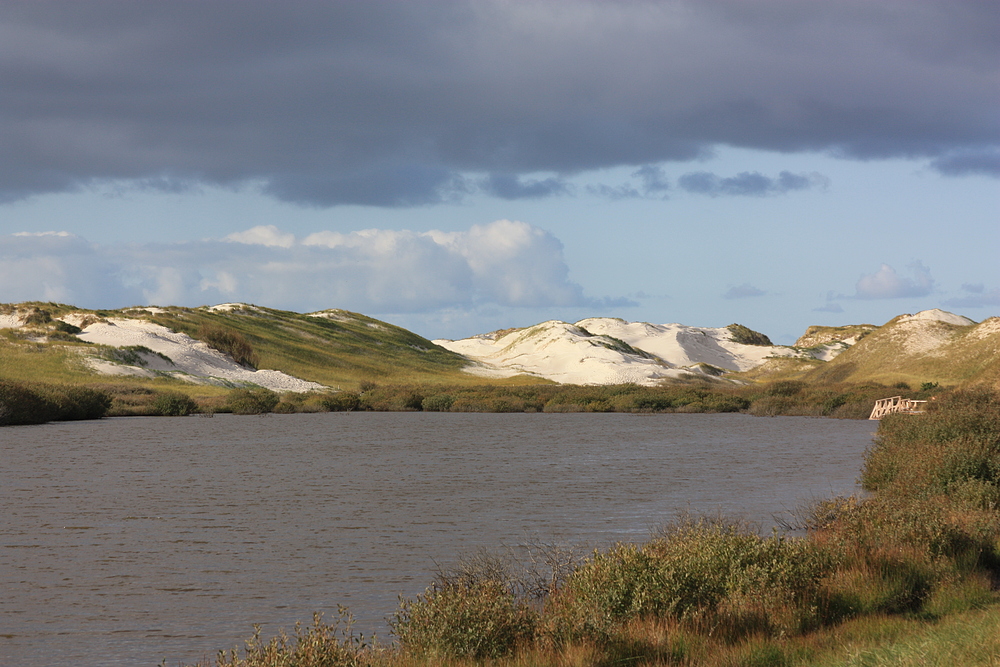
(747, 336)
(388, 398)
(22, 403)
(479, 620)
(342, 401)
(318, 645)
(229, 342)
(254, 401)
(712, 572)
(173, 404)
(437, 403)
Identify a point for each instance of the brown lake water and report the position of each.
(136, 540)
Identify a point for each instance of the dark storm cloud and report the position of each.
(509, 186)
(965, 163)
(748, 183)
(389, 103)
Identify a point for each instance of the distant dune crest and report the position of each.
(931, 346)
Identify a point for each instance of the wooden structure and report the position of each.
(886, 406)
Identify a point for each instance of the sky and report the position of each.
(456, 167)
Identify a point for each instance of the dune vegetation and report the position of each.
(354, 362)
(906, 575)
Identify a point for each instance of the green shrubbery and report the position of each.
(318, 645)
(342, 401)
(747, 336)
(479, 620)
(22, 403)
(252, 401)
(174, 404)
(229, 342)
(715, 573)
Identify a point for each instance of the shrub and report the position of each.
(39, 403)
(38, 316)
(391, 398)
(785, 388)
(747, 336)
(72, 403)
(939, 451)
(320, 645)
(251, 401)
(698, 569)
(481, 620)
(174, 404)
(66, 327)
(438, 403)
(342, 401)
(229, 342)
(771, 406)
(21, 405)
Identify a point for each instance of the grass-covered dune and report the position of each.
(915, 351)
(333, 348)
(365, 364)
(906, 575)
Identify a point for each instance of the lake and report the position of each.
(131, 541)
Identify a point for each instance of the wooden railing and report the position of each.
(885, 406)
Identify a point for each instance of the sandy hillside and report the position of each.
(185, 357)
(604, 350)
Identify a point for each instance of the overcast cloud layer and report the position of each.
(397, 104)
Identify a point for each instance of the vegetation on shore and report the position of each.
(383, 367)
(906, 575)
(126, 397)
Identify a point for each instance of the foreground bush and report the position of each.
(319, 645)
(716, 573)
(174, 404)
(254, 401)
(22, 403)
(479, 620)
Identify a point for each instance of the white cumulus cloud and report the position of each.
(887, 284)
(503, 263)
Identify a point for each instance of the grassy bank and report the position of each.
(171, 397)
(764, 399)
(906, 576)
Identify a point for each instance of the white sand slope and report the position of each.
(189, 359)
(591, 351)
(926, 331)
(937, 315)
(682, 345)
(561, 352)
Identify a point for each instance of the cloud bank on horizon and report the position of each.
(505, 263)
(401, 104)
(499, 266)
